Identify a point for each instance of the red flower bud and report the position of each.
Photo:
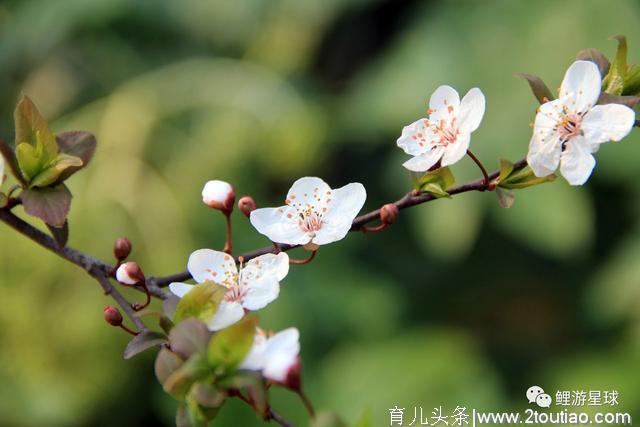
(246, 205)
(122, 248)
(112, 316)
(130, 273)
(389, 213)
(219, 195)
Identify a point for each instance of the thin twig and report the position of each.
(74, 256)
(227, 244)
(303, 261)
(273, 415)
(409, 200)
(481, 166)
(111, 290)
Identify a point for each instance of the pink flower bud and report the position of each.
(389, 213)
(130, 273)
(246, 205)
(112, 316)
(122, 248)
(219, 195)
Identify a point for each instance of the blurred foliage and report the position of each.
(460, 302)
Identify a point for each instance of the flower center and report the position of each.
(447, 132)
(569, 126)
(310, 221)
(236, 293)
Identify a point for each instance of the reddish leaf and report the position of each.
(538, 87)
(60, 234)
(143, 341)
(49, 204)
(79, 144)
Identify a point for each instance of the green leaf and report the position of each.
(167, 362)
(201, 302)
(435, 182)
(29, 160)
(506, 167)
(505, 197)
(613, 83)
(632, 81)
(60, 234)
(33, 129)
(230, 346)
(78, 144)
(142, 342)
(180, 381)
(596, 56)
(52, 174)
(435, 189)
(189, 337)
(524, 178)
(538, 87)
(49, 204)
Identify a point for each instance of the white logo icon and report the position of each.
(543, 400)
(536, 394)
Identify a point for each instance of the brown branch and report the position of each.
(111, 290)
(93, 266)
(409, 200)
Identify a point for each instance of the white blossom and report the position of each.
(313, 213)
(274, 356)
(569, 129)
(445, 134)
(254, 286)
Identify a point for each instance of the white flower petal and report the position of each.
(180, 289)
(577, 162)
(581, 86)
(308, 191)
(548, 115)
(280, 225)
(545, 145)
(444, 102)
(267, 265)
(278, 366)
(254, 361)
(228, 313)
(472, 109)
(610, 122)
(1, 169)
(416, 138)
(342, 208)
(260, 292)
(286, 341)
(423, 162)
(207, 264)
(457, 150)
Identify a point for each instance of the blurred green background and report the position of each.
(460, 303)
